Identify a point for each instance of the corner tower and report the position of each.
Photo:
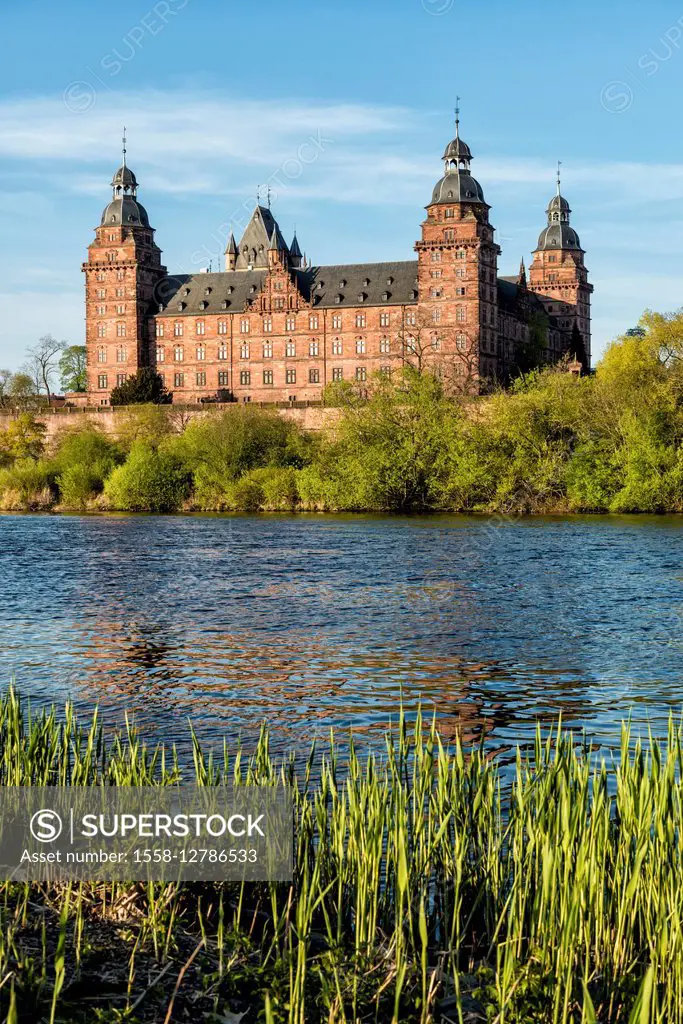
(121, 272)
(457, 270)
(558, 272)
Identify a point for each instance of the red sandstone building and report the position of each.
(270, 328)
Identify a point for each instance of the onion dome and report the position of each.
(558, 234)
(124, 209)
(457, 184)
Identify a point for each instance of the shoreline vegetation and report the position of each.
(552, 443)
(428, 887)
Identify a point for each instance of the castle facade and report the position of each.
(272, 328)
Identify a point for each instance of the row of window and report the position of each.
(245, 350)
(102, 330)
(102, 275)
(267, 349)
(120, 309)
(246, 375)
(266, 325)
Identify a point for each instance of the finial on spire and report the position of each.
(559, 165)
(124, 145)
(457, 117)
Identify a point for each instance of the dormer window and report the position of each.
(186, 291)
(362, 296)
(338, 299)
(226, 303)
(342, 283)
(366, 282)
(390, 280)
(207, 291)
(386, 296)
(230, 290)
(181, 306)
(203, 304)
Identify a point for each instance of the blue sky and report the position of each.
(345, 108)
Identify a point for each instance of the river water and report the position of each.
(316, 622)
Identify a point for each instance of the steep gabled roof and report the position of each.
(256, 240)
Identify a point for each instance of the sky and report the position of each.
(344, 109)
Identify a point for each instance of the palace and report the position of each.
(272, 328)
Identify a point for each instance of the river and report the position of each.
(321, 622)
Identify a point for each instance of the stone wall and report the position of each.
(312, 418)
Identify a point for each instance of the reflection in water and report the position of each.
(318, 623)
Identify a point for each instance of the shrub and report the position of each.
(150, 480)
(83, 460)
(26, 486)
(221, 449)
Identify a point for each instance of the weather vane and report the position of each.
(124, 145)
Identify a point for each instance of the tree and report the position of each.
(42, 363)
(22, 391)
(426, 347)
(24, 438)
(72, 368)
(150, 480)
(145, 386)
(5, 381)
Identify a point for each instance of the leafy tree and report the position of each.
(150, 480)
(72, 369)
(150, 423)
(386, 451)
(222, 448)
(24, 438)
(42, 363)
(22, 391)
(82, 461)
(144, 386)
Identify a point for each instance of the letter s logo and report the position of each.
(46, 826)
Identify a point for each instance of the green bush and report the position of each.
(82, 461)
(221, 449)
(150, 480)
(27, 485)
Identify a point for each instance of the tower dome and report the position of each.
(558, 234)
(457, 184)
(125, 177)
(124, 208)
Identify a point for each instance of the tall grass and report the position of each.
(427, 887)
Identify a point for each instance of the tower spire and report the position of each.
(124, 145)
(559, 165)
(457, 117)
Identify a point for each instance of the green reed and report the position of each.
(428, 886)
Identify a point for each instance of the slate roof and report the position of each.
(256, 240)
(357, 284)
(508, 300)
(125, 210)
(194, 294)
